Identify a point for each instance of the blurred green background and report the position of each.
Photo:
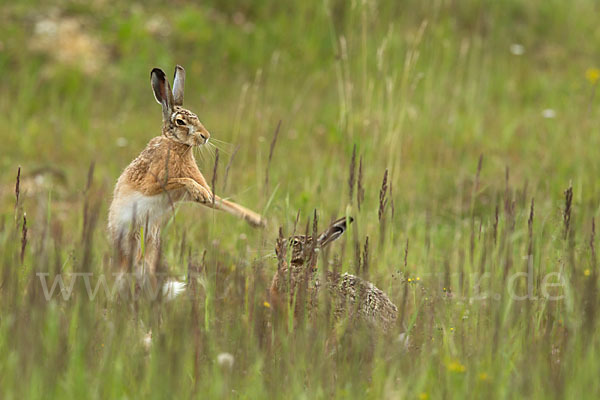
(421, 88)
(424, 89)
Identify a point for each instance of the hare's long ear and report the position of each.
(178, 85)
(334, 231)
(162, 92)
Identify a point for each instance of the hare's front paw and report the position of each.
(201, 194)
(255, 220)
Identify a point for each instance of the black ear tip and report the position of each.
(342, 221)
(339, 226)
(179, 68)
(158, 72)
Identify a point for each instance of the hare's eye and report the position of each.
(180, 122)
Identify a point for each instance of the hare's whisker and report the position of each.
(220, 147)
(198, 152)
(221, 141)
(210, 150)
(206, 153)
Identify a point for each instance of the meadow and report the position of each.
(461, 136)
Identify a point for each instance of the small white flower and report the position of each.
(46, 27)
(121, 142)
(404, 341)
(39, 180)
(225, 360)
(517, 49)
(147, 340)
(158, 25)
(549, 113)
(172, 289)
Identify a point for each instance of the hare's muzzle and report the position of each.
(201, 139)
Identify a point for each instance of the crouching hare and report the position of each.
(350, 295)
(163, 174)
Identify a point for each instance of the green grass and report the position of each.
(422, 89)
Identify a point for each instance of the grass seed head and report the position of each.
(568, 209)
(351, 178)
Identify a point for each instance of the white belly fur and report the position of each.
(125, 208)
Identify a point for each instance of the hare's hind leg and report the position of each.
(135, 262)
(123, 274)
(147, 263)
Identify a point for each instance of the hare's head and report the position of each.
(179, 124)
(301, 245)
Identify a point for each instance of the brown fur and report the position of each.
(350, 295)
(163, 174)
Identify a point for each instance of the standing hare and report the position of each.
(350, 295)
(163, 174)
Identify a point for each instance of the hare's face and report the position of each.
(185, 127)
(179, 124)
(300, 246)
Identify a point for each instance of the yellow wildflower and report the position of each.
(587, 272)
(483, 376)
(455, 366)
(423, 396)
(592, 75)
(267, 304)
